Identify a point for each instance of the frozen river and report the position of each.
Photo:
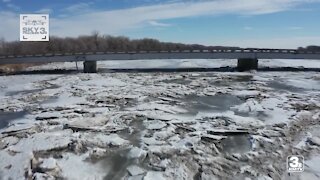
(213, 125)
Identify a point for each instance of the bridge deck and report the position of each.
(149, 55)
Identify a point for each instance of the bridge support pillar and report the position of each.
(246, 64)
(90, 66)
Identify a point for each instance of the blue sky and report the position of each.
(245, 23)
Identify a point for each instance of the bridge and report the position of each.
(247, 58)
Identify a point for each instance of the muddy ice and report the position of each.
(159, 125)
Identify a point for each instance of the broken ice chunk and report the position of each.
(151, 175)
(135, 170)
(137, 153)
(48, 164)
(155, 125)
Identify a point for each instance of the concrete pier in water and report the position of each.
(90, 66)
(246, 64)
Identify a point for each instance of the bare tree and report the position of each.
(2, 45)
(92, 43)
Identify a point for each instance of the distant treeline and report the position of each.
(95, 43)
(310, 49)
(103, 43)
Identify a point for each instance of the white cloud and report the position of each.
(78, 8)
(295, 28)
(118, 21)
(248, 28)
(158, 24)
(10, 21)
(13, 6)
(45, 11)
(80, 19)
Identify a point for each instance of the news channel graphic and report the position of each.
(295, 163)
(34, 27)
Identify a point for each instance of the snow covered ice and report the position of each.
(159, 125)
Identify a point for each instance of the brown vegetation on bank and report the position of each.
(89, 43)
(94, 43)
(10, 68)
(103, 43)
